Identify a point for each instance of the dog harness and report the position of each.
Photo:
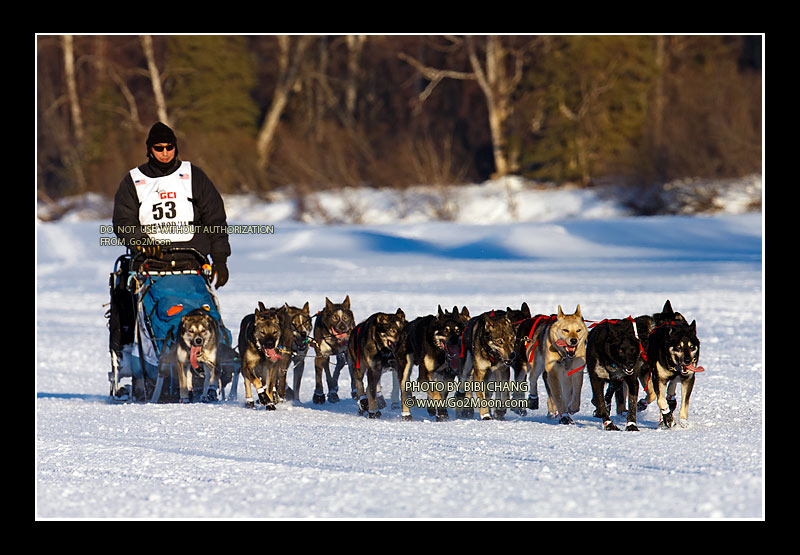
(533, 329)
(246, 329)
(489, 348)
(635, 334)
(358, 350)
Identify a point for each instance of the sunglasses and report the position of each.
(158, 148)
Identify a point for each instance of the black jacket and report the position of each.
(209, 210)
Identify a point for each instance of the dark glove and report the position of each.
(150, 251)
(219, 269)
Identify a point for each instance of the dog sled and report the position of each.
(149, 297)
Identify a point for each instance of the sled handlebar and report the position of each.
(142, 258)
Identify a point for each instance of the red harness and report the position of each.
(560, 342)
(533, 329)
(641, 348)
(358, 350)
(539, 318)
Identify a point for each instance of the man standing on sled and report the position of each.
(166, 199)
(165, 202)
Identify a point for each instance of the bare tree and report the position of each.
(289, 61)
(355, 43)
(72, 154)
(155, 78)
(72, 87)
(497, 84)
(496, 80)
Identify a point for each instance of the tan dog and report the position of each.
(259, 343)
(557, 350)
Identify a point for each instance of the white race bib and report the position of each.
(166, 210)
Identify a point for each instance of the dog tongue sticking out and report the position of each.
(193, 355)
(272, 354)
(692, 368)
(562, 343)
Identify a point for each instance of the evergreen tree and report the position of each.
(586, 101)
(210, 82)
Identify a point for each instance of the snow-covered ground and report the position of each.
(98, 460)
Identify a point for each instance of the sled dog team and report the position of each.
(454, 352)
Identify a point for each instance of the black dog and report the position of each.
(645, 324)
(673, 353)
(614, 355)
(431, 342)
(370, 352)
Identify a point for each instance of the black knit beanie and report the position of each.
(161, 133)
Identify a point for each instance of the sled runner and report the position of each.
(149, 298)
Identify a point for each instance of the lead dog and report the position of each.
(614, 356)
(487, 353)
(556, 350)
(259, 343)
(371, 352)
(673, 353)
(645, 324)
(432, 343)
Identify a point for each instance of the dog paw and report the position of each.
(566, 419)
(406, 417)
(667, 420)
(376, 414)
(533, 402)
(672, 402)
(211, 397)
(467, 413)
(609, 425)
(631, 427)
(396, 405)
(381, 402)
(641, 405)
(318, 399)
(499, 414)
(333, 397)
(442, 416)
(249, 404)
(269, 406)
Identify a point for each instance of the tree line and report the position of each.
(320, 111)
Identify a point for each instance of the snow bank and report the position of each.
(505, 200)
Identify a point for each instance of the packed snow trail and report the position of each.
(97, 460)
